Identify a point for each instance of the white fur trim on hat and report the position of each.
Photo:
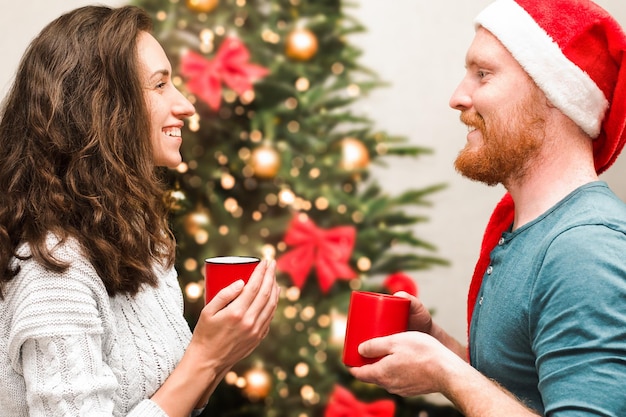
(567, 86)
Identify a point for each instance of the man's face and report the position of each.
(504, 111)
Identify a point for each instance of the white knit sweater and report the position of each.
(68, 349)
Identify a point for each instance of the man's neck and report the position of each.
(548, 182)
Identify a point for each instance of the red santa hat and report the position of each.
(576, 54)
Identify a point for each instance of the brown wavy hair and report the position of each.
(76, 158)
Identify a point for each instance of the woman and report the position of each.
(90, 311)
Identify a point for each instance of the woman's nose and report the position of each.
(183, 107)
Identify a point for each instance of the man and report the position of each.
(544, 97)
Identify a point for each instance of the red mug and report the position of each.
(372, 315)
(221, 271)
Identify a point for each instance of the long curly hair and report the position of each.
(76, 159)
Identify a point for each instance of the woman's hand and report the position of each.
(230, 327)
(233, 324)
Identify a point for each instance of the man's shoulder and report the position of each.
(593, 205)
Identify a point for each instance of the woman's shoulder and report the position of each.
(39, 302)
(65, 249)
(35, 284)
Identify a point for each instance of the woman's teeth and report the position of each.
(173, 132)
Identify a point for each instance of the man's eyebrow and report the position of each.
(479, 60)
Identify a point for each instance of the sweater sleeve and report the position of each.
(58, 341)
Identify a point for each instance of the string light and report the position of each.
(206, 40)
(201, 237)
(190, 264)
(338, 326)
(227, 181)
(258, 383)
(291, 103)
(302, 84)
(364, 264)
(194, 291)
(293, 294)
(321, 357)
(231, 378)
(286, 197)
(293, 126)
(301, 370)
(182, 168)
(353, 90)
(307, 313)
(268, 251)
(315, 339)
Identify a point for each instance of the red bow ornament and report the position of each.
(343, 404)
(328, 250)
(230, 66)
(399, 281)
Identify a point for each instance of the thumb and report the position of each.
(375, 348)
(403, 294)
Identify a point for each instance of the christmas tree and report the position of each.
(277, 165)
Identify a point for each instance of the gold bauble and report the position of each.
(265, 162)
(354, 154)
(202, 6)
(258, 383)
(195, 221)
(174, 199)
(301, 45)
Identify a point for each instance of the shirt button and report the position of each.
(480, 302)
(501, 241)
(489, 270)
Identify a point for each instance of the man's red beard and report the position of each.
(510, 144)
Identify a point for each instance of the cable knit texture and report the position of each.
(68, 349)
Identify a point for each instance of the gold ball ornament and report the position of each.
(258, 383)
(301, 45)
(265, 162)
(175, 199)
(354, 154)
(195, 222)
(202, 6)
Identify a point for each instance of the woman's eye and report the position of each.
(161, 85)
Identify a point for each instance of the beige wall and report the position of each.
(419, 47)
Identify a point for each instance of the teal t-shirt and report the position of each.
(550, 318)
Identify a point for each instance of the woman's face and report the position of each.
(166, 105)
